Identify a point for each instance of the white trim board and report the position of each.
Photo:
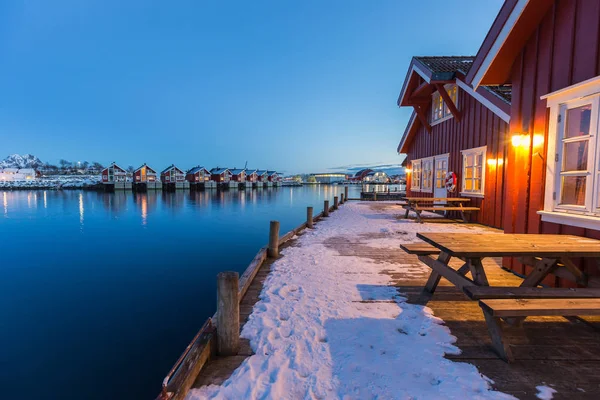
(514, 16)
(488, 104)
(413, 68)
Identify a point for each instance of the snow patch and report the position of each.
(545, 392)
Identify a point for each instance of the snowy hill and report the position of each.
(21, 161)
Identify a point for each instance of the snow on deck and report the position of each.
(332, 326)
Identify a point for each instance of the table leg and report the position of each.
(477, 271)
(495, 329)
(408, 207)
(580, 276)
(435, 277)
(541, 269)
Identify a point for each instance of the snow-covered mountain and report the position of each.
(21, 161)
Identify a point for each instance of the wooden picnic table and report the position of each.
(546, 253)
(415, 204)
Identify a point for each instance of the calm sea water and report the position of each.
(100, 293)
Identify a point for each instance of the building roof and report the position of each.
(170, 167)
(504, 92)
(446, 67)
(251, 171)
(114, 165)
(147, 167)
(218, 171)
(237, 171)
(261, 171)
(362, 172)
(196, 169)
(270, 173)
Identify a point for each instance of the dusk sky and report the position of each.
(296, 86)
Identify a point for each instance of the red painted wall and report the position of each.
(478, 127)
(564, 50)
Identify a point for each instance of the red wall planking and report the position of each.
(564, 50)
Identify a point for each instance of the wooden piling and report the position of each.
(346, 193)
(228, 314)
(273, 250)
(309, 217)
(341, 198)
(336, 202)
(326, 208)
(374, 196)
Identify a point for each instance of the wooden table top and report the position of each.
(475, 245)
(452, 199)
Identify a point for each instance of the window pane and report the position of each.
(575, 156)
(469, 161)
(477, 185)
(573, 190)
(578, 121)
(479, 159)
(468, 185)
(469, 172)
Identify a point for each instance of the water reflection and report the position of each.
(81, 209)
(5, 203)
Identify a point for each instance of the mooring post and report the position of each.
(335, 202)
(341, 198)
(228, 314)
(326, 208)
(346, 193)
(309, 217)
(374, 195)
(273, 250)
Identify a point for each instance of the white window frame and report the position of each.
(416, 169)
(587, 216)
(437, 97)
(427, 162)
(474, 152)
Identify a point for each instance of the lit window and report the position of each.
(473, 171)
(416, 176)
(440, 110)
(427, 174)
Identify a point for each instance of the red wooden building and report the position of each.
(197, 175)
(262, 176)
(222, 175)
(539, 172)
(113, 173)
(144, 174)
(172, 174)
(251, 175)
(238, 175)
(273, 176)
(549, 52)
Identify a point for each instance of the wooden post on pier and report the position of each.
(341, 198)
(336, 202)
(273, 250)
(326, 208)
(309, 217)
(374, 196)
(228, 314)
(346, 193)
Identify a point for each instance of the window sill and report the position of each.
(439, 121)
(563, 218)
(469, 194)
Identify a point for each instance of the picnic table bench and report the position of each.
(452, 204)
(547, 253)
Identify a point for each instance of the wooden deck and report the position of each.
(548, 350)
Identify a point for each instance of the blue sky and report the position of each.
(297, 86)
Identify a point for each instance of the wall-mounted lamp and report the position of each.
(408, 170)
(492, 162)
(525, 140)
